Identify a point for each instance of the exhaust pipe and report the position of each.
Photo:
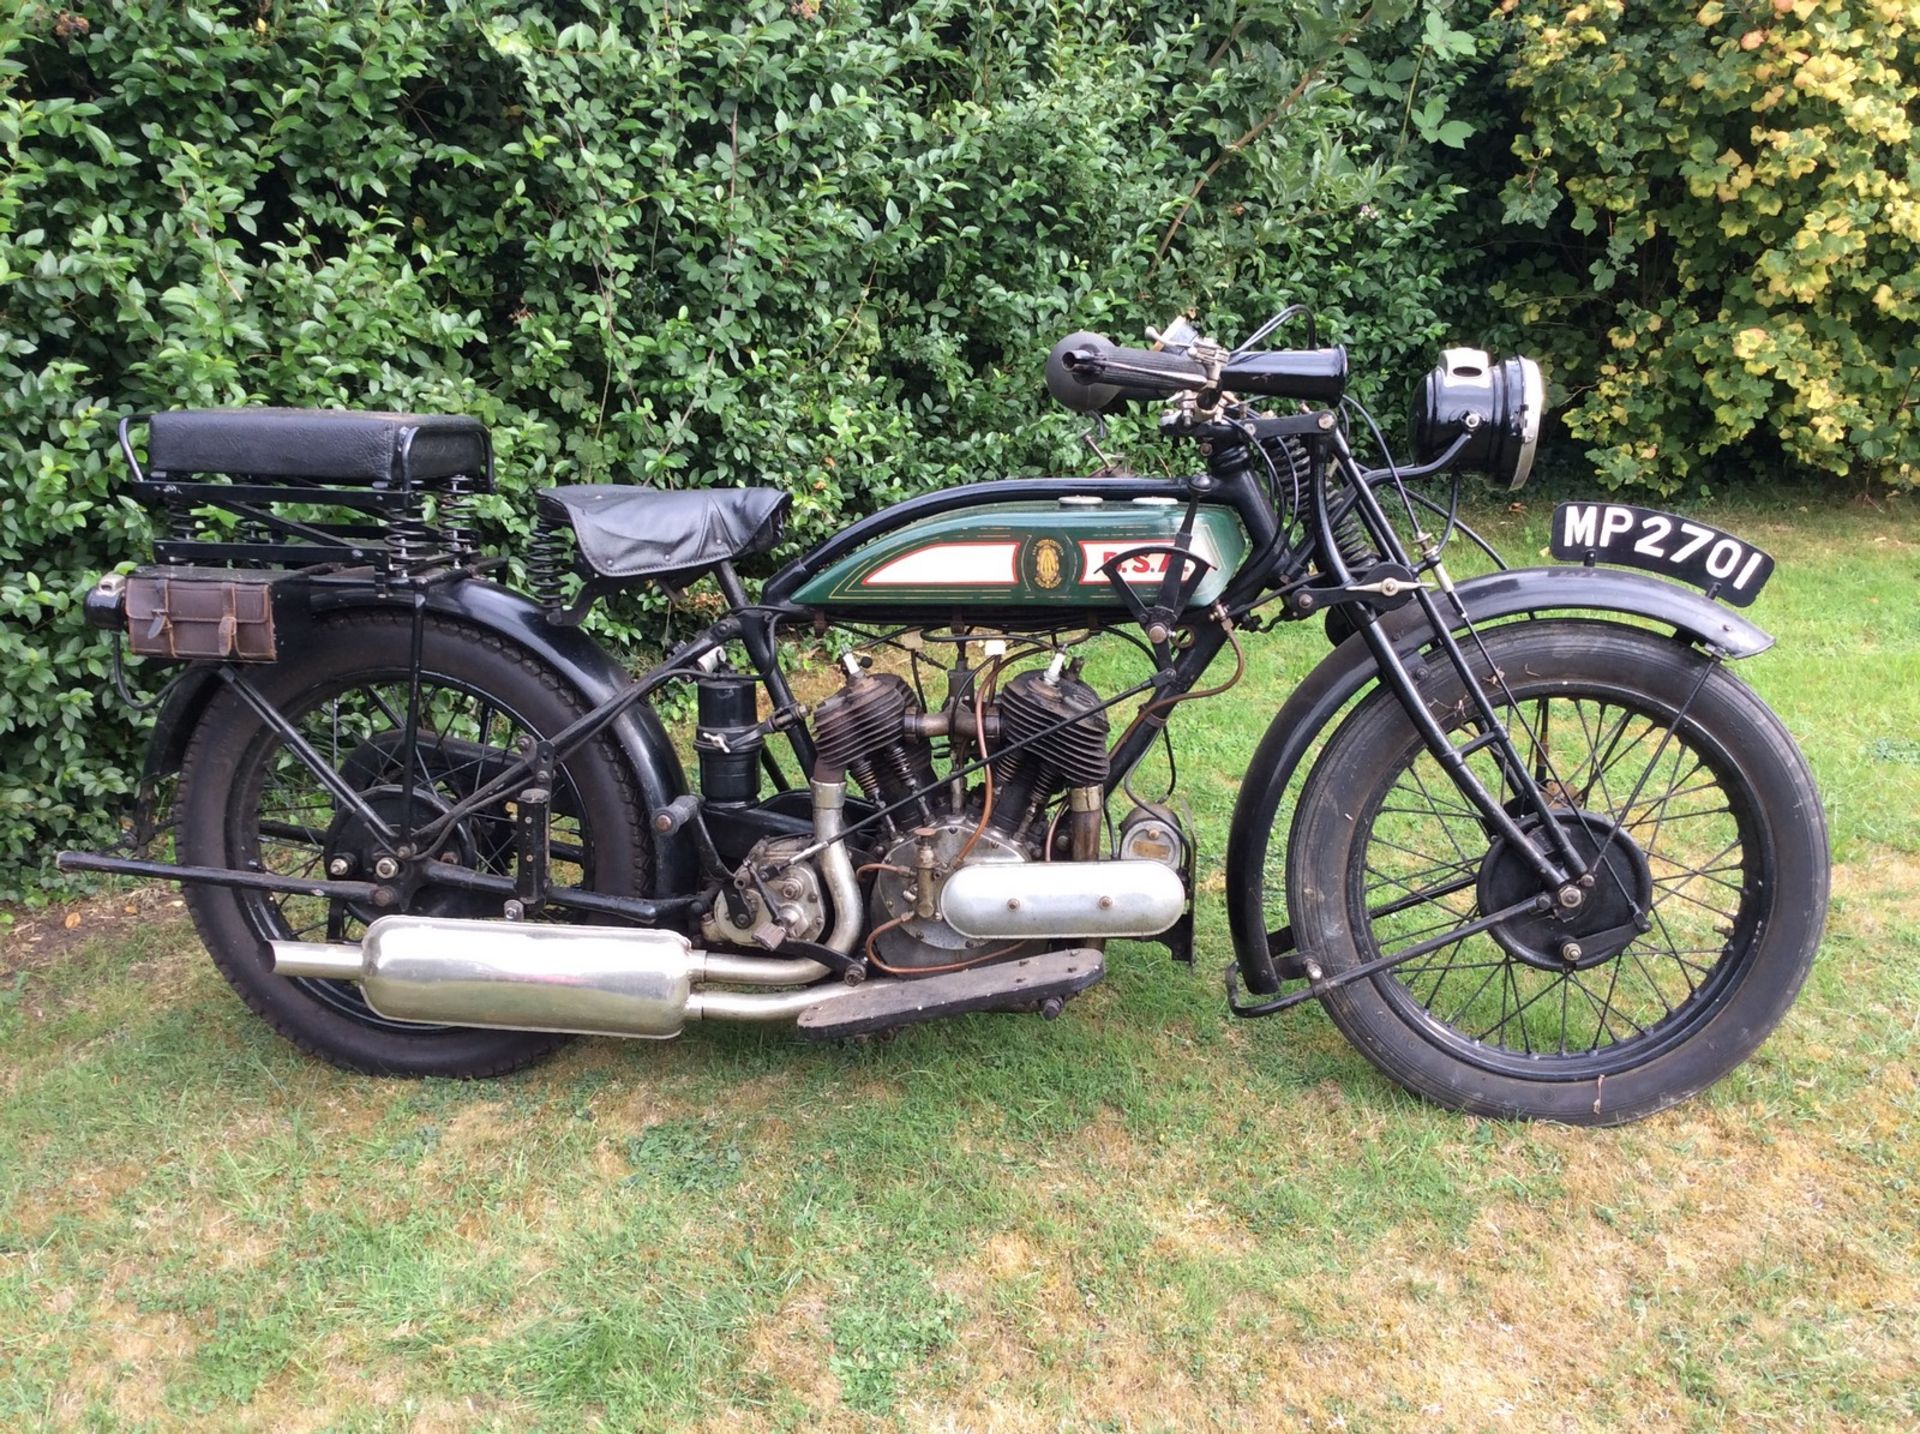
(843, 885)
(583, 980)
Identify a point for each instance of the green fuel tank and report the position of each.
(1043, 551)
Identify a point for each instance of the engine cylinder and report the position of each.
(862, 717)
(862, 730)
(1069, 755)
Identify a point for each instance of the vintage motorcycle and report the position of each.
(1552, 858)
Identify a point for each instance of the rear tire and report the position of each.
(245, 802)
(1724, 839)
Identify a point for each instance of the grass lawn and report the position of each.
(1143, 1216)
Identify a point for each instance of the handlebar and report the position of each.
(1088, 372)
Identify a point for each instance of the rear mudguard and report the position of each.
(574, 656)
(1350, 668)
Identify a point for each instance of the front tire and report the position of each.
(246, 802)
(1705, 828)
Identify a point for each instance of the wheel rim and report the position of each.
(1631, 787)
(283, 820)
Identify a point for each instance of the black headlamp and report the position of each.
(1497, 405)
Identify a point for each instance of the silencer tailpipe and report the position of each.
(586, 980)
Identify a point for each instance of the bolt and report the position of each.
(1013, 903)
(663, 821)
(1570, 952)
(513, 910)
(339, 867)
(386, 868)
(790, 889)
(1051, 1008)
(1571, 896)
(385, 896)
(1587, 880)
(1106, 903)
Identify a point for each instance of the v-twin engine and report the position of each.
(967, 872)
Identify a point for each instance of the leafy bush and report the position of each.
(821, 244)
(1734, 184)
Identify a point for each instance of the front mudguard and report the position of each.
(573, 656)
(1349, 669)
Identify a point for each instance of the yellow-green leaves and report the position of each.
(1760, 156)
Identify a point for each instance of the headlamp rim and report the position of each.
(1533, 405)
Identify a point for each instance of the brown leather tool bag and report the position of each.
(193, 613)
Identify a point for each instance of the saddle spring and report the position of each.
(549, 561)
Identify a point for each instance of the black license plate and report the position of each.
(1666, 543)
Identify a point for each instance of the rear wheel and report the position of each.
(1683, 794)
(247, 801)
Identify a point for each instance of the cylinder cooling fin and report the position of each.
(869, 711)
(1054, 735)
(1035, 701)
(862, 731)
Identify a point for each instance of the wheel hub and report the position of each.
(354, 848)
(1570, 937)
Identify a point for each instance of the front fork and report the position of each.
(1559, 866)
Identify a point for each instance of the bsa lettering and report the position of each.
(1096, 553)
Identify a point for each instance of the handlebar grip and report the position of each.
(1313, 375)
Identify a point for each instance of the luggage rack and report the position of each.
(305, 488)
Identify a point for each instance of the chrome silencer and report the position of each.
(586, 980)
(1062, 899)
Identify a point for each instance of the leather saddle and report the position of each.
(629, 532)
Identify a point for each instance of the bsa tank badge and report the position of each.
(1045, 556)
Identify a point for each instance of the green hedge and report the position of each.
(828, 245)
(825, 245)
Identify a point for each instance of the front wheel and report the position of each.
(1698, 821)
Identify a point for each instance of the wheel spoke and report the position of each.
(294, 822)
(1645, 809)
(1408, 883)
